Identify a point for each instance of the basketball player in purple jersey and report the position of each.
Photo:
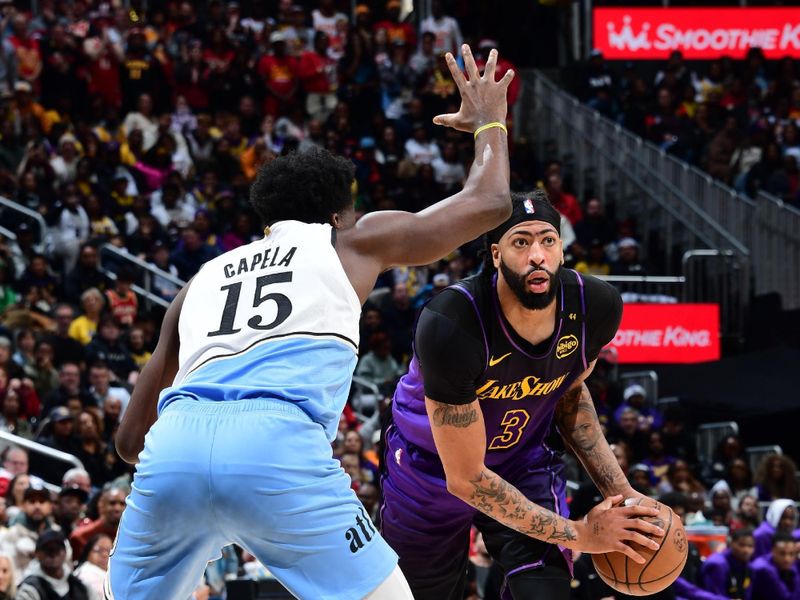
(498, 358)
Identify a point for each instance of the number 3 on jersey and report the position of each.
(514, 423)
(234, 290)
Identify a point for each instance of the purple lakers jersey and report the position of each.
(517, 384)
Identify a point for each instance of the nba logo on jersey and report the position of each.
(528, 204)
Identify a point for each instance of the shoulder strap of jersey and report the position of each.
(475, 292)
(573, 307)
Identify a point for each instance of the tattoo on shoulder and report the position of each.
(455, 415)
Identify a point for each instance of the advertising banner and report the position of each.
(668, 333)
(700, 33)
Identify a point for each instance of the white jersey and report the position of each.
(276, 318)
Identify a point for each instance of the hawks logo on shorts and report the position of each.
(362, 533)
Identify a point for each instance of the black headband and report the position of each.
(531, 207)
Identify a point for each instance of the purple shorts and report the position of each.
(429, 528)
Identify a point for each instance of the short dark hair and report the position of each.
(305, 186)
(674, 500)
(782, 536)
(738, 534)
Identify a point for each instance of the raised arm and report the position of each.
(579, 426)
(385, 239)
(157, 374)
(460, 437)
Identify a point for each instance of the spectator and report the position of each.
(378, 366)
(107, 347)
(48, 578)
(396, 30)
(122, 301)
(728, 573)
(775, 574)
(37, 510)
(739, 479)
(775, 478)
(8, 578)
(69, 378)
(93, 563)
(635, 396)
(71, 234)
(445, 29)
(64, 347)
(11, 420)
(42, 371)
(448, 171)
(15, 495)
(565, 203)
(192, 254)
(136, 345)
(79, 478)
(59, 431)
(629, 262)
(781, 518)
(680, 479)
(748, 512)
(69, 511)
(595, 225)
(110, 506)
(625, 428)
(15, 462)
(91, 447)
(658, 461)
(420, 149)
(318, 75)
(278, 71)
(398, 314)
(85, 276)
(596, 262)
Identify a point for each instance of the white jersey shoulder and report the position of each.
(288, 284)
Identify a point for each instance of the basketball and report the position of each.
(662, 566)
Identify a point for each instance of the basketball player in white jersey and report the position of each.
(255, 360)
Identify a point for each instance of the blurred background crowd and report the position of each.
(129, 134)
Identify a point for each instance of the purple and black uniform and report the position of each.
(465, 348)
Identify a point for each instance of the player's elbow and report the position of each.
(127, 448)
(460, 487)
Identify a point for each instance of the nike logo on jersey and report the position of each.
(494, 361)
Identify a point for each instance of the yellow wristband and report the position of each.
(489, 126)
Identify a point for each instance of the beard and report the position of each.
(518, 284)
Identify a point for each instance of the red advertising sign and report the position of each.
(668, 333)
(700, 33)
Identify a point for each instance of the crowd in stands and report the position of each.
(143, 129)
(737, 120)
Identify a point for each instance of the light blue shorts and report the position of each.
(257, 473)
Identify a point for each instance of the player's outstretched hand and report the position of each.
(483, 100)
(608, 527)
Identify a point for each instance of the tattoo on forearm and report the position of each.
(455, 415)
(579, 426)
(499, 499)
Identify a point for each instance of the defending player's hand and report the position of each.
(612, 528)
(483, 100)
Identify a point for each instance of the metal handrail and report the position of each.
(144, 265)
(540, 77)
(643, 278)
(138, 290)
(7, 233)
(28, 213)
(41, 449)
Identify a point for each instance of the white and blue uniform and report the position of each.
(241, 450)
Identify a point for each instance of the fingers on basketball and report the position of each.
(625, 572)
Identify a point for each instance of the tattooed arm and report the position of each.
(579, 426)
(460, 436)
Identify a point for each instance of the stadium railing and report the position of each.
(13, 212)
(111, 258)
(676, 206)
(50, 454)
(755, 454)
(709, 435)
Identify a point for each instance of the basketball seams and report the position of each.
(640, 586)
(660, 546)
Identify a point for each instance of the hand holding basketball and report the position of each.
(662, 566)
(608, 527)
